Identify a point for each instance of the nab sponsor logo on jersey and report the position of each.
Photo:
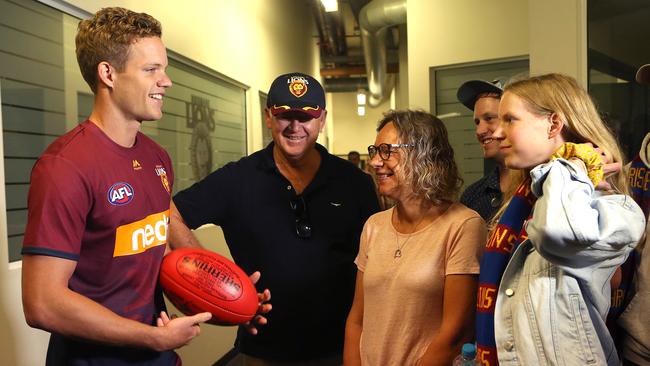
(120, 193)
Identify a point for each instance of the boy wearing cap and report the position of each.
(482, 97)
(635, 348)
(294, 212)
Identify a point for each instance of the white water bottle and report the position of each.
(467, 356)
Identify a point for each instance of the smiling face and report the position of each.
(528, 139)
(139, 88)
(295, 133)
(486, 110)
(388, 172)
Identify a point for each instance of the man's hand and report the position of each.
(176, 332)
(264, 306)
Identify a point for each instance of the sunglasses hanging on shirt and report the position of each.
(302, 223)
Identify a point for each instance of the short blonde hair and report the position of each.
(428, 166)
(107, 36)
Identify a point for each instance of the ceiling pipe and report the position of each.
(354, 70)
(391, 56)
(374, 20)
(331, 33)
(340, 85)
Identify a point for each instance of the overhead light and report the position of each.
(361, 98)
(448, 115)
(361, 110)
(330, 5)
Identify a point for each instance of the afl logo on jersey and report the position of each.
(120, 193)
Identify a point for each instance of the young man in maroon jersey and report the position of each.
(99, 210)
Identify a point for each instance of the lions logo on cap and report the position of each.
(298, 86)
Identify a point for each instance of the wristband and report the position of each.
(592, 159)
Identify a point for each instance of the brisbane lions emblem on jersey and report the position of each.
(160, 171)
(120, 194)
(297, 86)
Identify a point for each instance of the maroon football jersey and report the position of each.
(106, 207)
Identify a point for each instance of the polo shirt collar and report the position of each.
(268, 163)
(327, 167)
(493, 179)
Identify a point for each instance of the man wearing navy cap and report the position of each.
(482, 97)
(294, 212)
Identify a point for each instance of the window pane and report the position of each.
(617, 37)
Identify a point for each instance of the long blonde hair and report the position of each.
(560, 94)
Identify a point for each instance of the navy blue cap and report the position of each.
(296, 92)
(469, 92)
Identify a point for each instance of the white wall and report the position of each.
(558, 38)
(442, 32)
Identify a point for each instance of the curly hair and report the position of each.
(429, 166)
(107, 36)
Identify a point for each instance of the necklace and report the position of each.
(398, 251)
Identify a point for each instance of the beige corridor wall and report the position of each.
(351, 131)
(442, 32)
(558, 38)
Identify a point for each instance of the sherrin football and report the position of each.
(198, 280)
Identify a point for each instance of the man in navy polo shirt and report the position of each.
(295, 213)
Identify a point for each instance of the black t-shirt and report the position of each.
(311, 280)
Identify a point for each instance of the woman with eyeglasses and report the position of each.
(418, 262)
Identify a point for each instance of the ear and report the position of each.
(267, 117)
(323, 117)
(106, 74)
(556, 124)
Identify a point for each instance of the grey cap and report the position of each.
(643, 74)
(470, 90)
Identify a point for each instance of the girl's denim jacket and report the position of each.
(555, 292)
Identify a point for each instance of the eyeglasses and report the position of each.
(384, 150)
(299, 208)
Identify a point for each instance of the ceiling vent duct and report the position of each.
(374, 20)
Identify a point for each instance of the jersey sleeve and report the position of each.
(169, 168)
(58, 203)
